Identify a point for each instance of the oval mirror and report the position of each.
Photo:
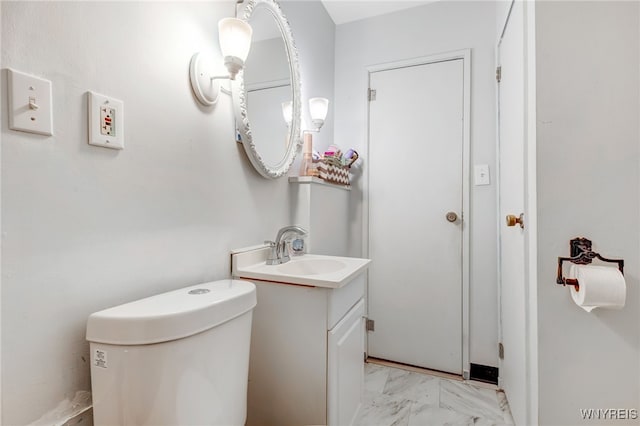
(266, 93)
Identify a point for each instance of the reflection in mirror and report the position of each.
(269, 82)
(268, 86)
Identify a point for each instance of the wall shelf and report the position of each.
(313, 179)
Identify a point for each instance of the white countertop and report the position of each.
(309, 269)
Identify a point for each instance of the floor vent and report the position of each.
(484, 373)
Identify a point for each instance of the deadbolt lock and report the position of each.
(513, 220)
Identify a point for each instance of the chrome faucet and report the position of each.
(278, 249)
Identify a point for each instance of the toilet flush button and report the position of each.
(200, 291)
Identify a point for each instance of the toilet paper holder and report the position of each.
(581, 254)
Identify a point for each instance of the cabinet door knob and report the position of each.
(452, 216)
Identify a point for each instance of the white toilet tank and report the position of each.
(179, 358)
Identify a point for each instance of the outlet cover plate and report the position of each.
(29, 103)
(106, 121)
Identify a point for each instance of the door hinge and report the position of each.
(371, 94)
(500, 351)
(499, 74)
(370, 324)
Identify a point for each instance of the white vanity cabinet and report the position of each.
(345, 363)
(307, 354)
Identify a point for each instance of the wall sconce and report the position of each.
(235, 42)
(318, 108)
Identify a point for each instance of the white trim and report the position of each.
(498, 218)
(498, 198)
(261, 85)
(365, 202)
(422, 60)
(1, 288)
(466, 209)
(531, 209)
(465, 55)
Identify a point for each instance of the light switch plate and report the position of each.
(481, 174)
(106, 121)
(29, 103)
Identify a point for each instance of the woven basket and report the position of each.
(333, 173)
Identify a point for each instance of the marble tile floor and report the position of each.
(397, 397)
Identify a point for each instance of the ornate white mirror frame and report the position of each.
(240, 97)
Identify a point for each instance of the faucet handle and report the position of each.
(270, 243)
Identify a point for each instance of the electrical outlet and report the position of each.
(106, 124)
(107, 121)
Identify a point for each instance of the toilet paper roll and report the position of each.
(600, 287)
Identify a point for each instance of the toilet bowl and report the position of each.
(178, 358)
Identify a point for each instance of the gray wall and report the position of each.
(314, 33)
(588, 106)
(422, 31)
(85, 228)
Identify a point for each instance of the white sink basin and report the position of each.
(311, 266)
(310, 269)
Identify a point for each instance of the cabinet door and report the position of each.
(346, 367)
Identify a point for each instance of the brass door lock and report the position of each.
(513, 220)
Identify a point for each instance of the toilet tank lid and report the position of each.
(172, 315)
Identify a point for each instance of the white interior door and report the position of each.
(416, 178)
(512, 162)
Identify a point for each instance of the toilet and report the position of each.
(177, 358)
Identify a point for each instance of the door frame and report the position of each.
(465, 55)
(530, 209)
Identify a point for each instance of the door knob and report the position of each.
(512, 220)
(452, 216)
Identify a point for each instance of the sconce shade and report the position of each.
(318, 108)
(235, 42)
(287, 112)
